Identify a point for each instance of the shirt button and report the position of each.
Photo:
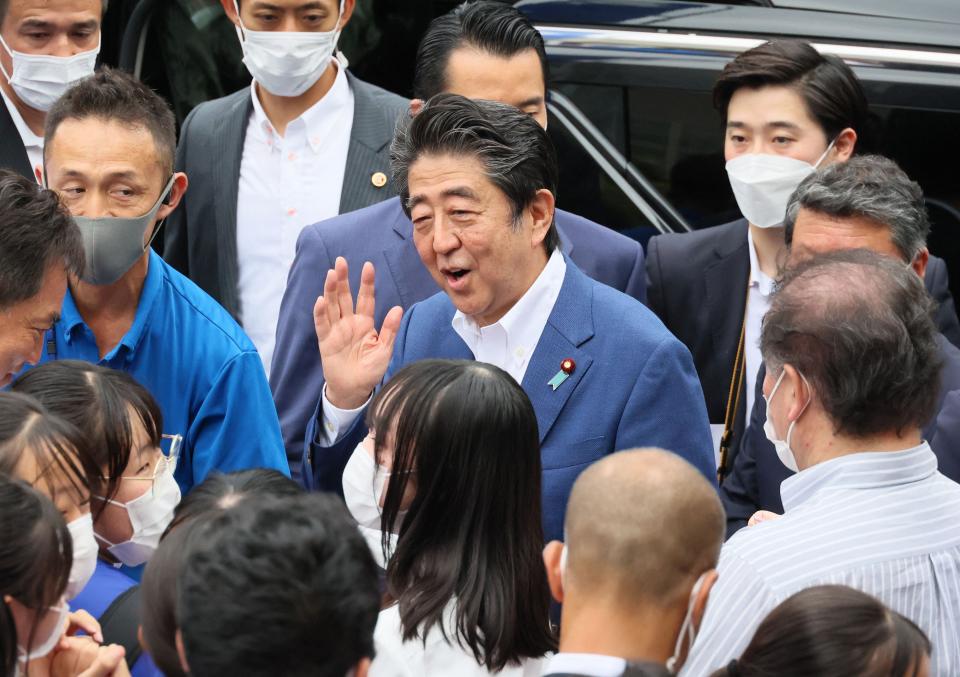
(291, 212)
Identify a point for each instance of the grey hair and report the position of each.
(859, 327)
(868, 186)
(516, 153)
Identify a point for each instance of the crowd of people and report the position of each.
(381, 408)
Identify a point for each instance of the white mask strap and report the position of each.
(816, 165)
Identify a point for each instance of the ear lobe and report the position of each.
(552, 553)
(542, 209)
(920, 261)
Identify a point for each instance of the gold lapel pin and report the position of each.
(378, 179)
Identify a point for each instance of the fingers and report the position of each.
(80, 620)
(321, 322)
(344, 297)
(761, 516)
(109, 663)
(331, 304)
(367, 295)
(391, 325)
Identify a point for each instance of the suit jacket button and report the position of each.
(378, 179)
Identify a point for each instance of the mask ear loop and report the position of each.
(824, 154)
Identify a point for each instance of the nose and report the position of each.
(36, 350)
(445, 238)
(93, 205)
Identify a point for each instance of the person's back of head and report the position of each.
(854, 329)
(833, 631)
(464, 437)
(278, 586)
(643, 533)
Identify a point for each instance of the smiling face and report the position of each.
(23, 325)
(464, 231)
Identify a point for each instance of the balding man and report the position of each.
(634, 588)
(852, 366)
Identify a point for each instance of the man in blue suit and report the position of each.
(481, 50)
(478, 180)
(870, 203)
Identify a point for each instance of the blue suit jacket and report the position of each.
(382, 234)
(754, 483)
(634, 386)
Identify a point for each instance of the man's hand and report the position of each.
(355, 357)
(761, 516)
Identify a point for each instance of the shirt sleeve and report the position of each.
(236, 426)
(336, 421)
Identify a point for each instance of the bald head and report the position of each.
(641, 526)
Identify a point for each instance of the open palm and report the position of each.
(355, 355)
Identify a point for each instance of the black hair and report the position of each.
(516, 153)
(57, 446)
(489, 26)
(36, 232)
(113, 95)
(832, 631)
(97, 401)
(465, 433)
(832, 93)
(299, 569)
(36, 553)
(160, 583)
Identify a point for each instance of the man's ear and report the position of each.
(416, 105)
(231, 11)
(920, 261)
(181, 652)
(844, 146)
(700, 603)
(552, 553)
(541, 209)
(176, 193)
(801, 390)
(348, 7)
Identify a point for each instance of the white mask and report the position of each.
(363, 485)
(784, 452)
(763, 184)
(686, 628)
(85, 551)
(149, 516)
(40, 79)
(287, 63)
(49, 642)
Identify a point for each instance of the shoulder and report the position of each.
(583, 232)
(211, 113)
(357, 229)
(436, 308)
(364, 91)
(623, 316)
(702, 240)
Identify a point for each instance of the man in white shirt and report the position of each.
(306, 142)
(478, 179)
(45, 47)
(642, 540)
(852, 370)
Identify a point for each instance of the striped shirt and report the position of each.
(886, 523)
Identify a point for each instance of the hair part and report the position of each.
(516, 153)
(36, 232)
(870, 187)
(859, 327)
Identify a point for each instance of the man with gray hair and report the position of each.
(478, 180)
(852, 369)
(867, 202)
(634, 590)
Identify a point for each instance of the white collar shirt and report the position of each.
(286, 183)
(594, 665)
(31, 142)
(509, 343)
(758, 303)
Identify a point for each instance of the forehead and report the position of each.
(761, 106)
(333, 5)
(438, 176)
(820, 233)
(19, 10)
(106, 145)
(41, 469)
(477, 74)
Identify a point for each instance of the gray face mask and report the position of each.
(113, 244)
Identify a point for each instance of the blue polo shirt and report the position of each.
(202, 369)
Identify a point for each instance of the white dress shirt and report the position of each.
(593, 664)
(885, 523)
(286, 183)
(434, 658)
(32, 142)
(508, 343)
(758, 303)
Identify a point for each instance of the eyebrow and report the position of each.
(776, 124)
(532, 101)
(459, 191)
(90, 24)
(277, 8)
(128, 174)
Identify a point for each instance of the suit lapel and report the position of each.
(411, 278)
(569, 326)
(726, 286)
(12, 153)
(370, 135)
(230, 139)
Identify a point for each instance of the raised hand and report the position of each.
(355, 356)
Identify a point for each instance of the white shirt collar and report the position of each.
(510, 342)
(318, 121)
(31, 142)
(758, 278)
(595, 665)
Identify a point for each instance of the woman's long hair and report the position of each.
(466, 437)
(832, 631)
(36, 554)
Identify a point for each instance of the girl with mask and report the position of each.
(34, 614)
(452, 468)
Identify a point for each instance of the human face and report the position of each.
(50, 27)
(772, 120)
(113, 521)
(303, 16)
(65, 490)
(23, 325)
(516, 80)
(464, 231)
(102, 168)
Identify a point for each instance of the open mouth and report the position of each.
(455, 276)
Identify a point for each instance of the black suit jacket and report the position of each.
(697, 285)
(201, 234)
(12, 153)
(754, 483)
